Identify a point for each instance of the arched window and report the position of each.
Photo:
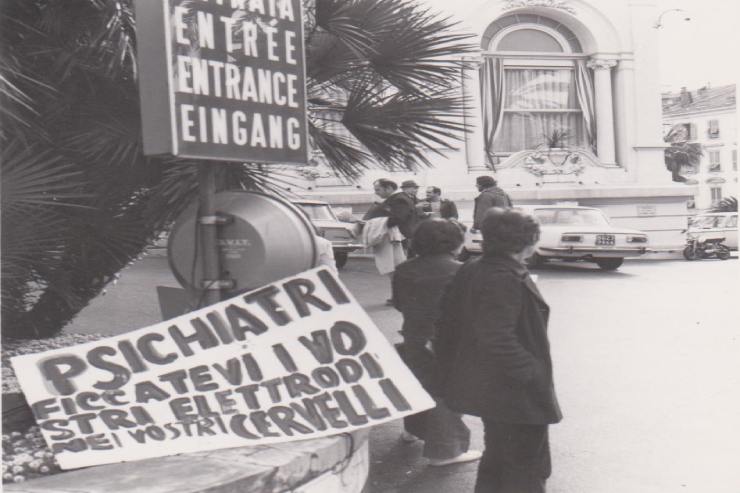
(534, 83)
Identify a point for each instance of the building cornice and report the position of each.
(724, 109)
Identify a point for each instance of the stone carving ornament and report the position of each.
(553, 4)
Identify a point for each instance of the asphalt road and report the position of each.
(647, 369)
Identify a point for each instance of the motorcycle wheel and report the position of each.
(723, 253)
(690, 253)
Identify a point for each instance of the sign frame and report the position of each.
(158, 92)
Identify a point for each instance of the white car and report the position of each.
(575, 233)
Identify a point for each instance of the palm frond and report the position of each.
(33, 176)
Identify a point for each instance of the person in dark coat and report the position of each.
(418, 285)
(494, 352)
(397, 206)
(436, 206)
(490, 196)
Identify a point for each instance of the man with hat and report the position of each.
(490, 196)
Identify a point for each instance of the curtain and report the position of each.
(492, 91)
(585, 89)
(546, 101)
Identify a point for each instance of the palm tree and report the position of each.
(80, 201)
(727, 204)
(681, 154)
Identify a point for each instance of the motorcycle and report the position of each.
(698, 247)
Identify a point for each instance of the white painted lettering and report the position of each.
(258, 131)
(217, 67)
(228, 23)
(220, 131)
(250, 31)
(239, 133)
(186, 122)
(180, 26)
(203, 123)
(232, 81)
(200, 76)
(206, 33)
(290, 48)
(278, 78)
(183, 74)
(249, 86)
(294, 136)
(286, 10)
(271, 43)
(257, 6)
(276, 131)
(292, 91)
(264, 78)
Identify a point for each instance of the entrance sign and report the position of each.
(223, 79)
(292, 360)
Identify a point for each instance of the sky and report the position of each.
(704, 50)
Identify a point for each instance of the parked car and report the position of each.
(575, 233)
(715, 224)
(341, 234)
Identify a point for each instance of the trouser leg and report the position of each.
(516, 458)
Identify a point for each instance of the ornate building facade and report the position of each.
(566, 107)
(708, 117)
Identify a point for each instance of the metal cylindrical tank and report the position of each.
(264, 239)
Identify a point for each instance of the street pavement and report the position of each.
(647, 370)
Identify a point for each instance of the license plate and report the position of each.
(605, 239)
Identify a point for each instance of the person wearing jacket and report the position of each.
(493, 350)
(397, 206)
(436, 206)
(418, 285)
(490, 196)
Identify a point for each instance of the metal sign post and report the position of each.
(221, 81)
(210, 282)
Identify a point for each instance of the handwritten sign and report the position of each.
(222, 79)
(292, 360)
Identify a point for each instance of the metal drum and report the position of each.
(265, 239)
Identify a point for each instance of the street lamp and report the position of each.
(658, 23)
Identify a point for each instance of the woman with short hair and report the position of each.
(495, 356)
(418, 285)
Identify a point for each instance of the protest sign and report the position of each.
(222, 79)
(295, 359)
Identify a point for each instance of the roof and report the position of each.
(701, 100)
(309, 202)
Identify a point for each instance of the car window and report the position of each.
(318, 212)
(706, 222)
(571, 217)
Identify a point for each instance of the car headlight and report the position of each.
(571, 238)
(637, 239)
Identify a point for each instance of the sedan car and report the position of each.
(341, 234)
(575, 233)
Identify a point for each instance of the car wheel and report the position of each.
(340, 258)
(536, 260)
(723, 253)
(464, 255)
(609, 263)
(690, 253)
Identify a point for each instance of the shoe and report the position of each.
(468, 456)
(407, 437)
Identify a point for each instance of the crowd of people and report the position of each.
(474, 334)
